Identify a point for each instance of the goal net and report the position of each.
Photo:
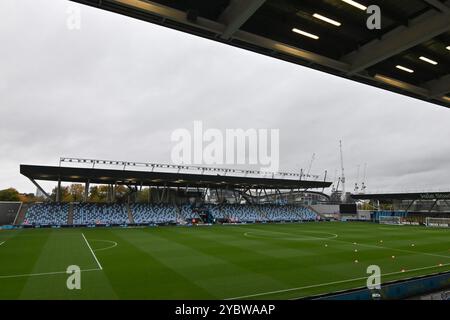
(389, 220)
(437, 222)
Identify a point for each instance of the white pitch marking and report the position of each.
(355, 279)
(372, 246)
(310, 238)
(42, 274)
(110, 247)
(2, 243)
(330, 283)
(92, 251)
(401, 250)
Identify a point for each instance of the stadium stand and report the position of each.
(47, 214)
(243, 213)
(261, 213)
(119, 214)
(92, 213)
(307, 214)
(288, 213)
(181, 187)
(154, 213)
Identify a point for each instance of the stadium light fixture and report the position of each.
(404, 68)
(323, 18)
(428, 60)
(448, 48)
(356, 4)
(306, 34)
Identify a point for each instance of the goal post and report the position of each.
(437, 222)
(390, 220)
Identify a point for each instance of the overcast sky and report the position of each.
(117, 88)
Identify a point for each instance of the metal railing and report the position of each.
(186, 168)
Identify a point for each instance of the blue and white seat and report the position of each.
(47, 214)
(261, 213)
(154, 213)
(242, 213)
(305, 213)
(280, 212)
(215, 211)
(187, 213)
(91, 213)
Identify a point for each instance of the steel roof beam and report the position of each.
(402, 85)
(219, 28)
(440, 87)
(436, 4)
(404, 37)
(401, 39)
(236, 14)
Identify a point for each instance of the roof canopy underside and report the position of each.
(409, 55)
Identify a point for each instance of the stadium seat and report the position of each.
(117, 214)
(261, 213)
(154, 213)
(47, 214)
(188, 213)
(92, 213)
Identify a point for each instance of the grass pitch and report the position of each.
(272, 261)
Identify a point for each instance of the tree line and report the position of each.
(75, 193)
(12, 194)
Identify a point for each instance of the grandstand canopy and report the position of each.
(409, 55)
(167, 179)
(403, 196)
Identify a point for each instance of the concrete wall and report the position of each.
(326, 208)
(8, 212)
(364, 215)
(398, 290)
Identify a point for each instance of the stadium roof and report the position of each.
(409, 55)
(403, 196)
(169, 179)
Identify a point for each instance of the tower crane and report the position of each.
(342, 172)
(334, 185)
(357, 178)
(310, 164)
(363, 183)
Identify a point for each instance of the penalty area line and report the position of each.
(41, 274)
(92, 251)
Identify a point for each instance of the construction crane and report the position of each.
(335, 183)
(363, 183)
(342, 179)
(357, 178)
(310, 164)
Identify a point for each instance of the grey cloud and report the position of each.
(117, 88)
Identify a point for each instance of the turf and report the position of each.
(273, 261)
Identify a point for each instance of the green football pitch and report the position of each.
(273, 261)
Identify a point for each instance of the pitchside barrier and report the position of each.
(437, 222)
(402, 289)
